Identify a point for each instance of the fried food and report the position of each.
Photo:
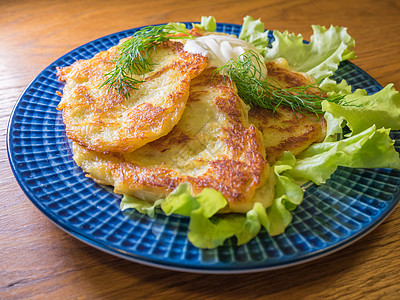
(212, 146)
(285, 130)
(102, 119)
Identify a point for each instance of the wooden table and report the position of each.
(38, 260)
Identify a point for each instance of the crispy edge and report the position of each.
(144, 114)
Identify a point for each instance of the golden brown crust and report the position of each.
(286, 130)
(212, 146)
(102, 119)
(280, 72)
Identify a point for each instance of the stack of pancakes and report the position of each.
(182, 124)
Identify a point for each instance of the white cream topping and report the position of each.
(219, 49)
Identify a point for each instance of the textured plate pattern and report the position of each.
(333, 215)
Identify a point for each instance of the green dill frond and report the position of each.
(134, 59)
(255, 90)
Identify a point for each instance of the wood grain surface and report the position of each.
(40, 261)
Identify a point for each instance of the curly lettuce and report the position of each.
(372, 148)
(319, 58)
(207, 23)
(381, 109)
(253, 32)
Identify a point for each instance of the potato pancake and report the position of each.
(285, 130)
(212, 146)
(101, 119)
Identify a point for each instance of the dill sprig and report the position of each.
(133, 59)
(255, 90)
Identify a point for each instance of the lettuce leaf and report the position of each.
(321, 57)
(207, 23)
(180, 201)
(288, 195)
(205, 231)
(372, 148)
(381, 109)
(176, 27)
(334, 127)
(334, 124)
(333, 88)
(141, 206)
(253, 32)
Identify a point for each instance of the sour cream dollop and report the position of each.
(219, 49)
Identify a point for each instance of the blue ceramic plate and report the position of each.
(331, 217)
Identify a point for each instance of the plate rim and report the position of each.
(212, 269)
